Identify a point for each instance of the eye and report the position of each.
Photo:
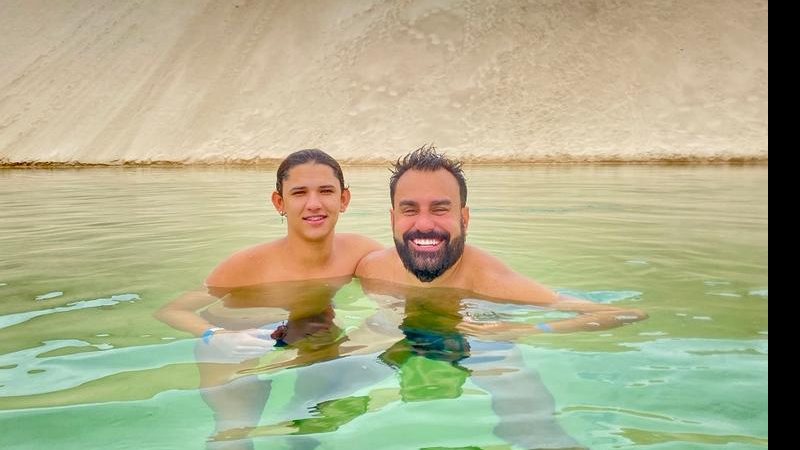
(440, 211)
(328, 191)
(408, 212)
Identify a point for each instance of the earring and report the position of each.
(283, 216)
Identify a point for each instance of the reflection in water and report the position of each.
(668, 240)
(435, 357)
(291, 322)
(414, 338)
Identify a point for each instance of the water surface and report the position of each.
(89, 255)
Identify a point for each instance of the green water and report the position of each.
(89, 254)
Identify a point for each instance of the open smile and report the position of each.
(315, 219)
(426, 245)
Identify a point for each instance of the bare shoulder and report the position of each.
(483, 262)
(357, 244)
(376, 263)
(494, 278)
(242, 268)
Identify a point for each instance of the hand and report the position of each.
(234, 346)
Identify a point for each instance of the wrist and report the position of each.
(209, 333)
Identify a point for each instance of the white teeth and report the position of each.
(426, 242)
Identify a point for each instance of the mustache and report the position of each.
(416, 234)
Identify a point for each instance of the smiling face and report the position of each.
(428, 222)
(312, 199)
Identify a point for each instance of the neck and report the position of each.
(309, 254)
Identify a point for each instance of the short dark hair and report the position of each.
(427, 159)
(304, 156)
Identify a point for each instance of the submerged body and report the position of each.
(293, 279)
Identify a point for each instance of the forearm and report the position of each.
(181, 313)
(595, 320)
(591, 317)
(185, 321)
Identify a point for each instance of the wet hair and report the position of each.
(311, 155)
(426, 159)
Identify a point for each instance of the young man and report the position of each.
(291, 279)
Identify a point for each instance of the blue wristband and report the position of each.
(546, 328)
(209, 333)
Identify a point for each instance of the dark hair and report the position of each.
(426, 159)
(304, 156)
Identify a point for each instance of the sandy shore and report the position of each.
(211, 82)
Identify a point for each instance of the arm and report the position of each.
(236, 270)
(501, 284)
(217, 344)
(591, 316)
(181, 313)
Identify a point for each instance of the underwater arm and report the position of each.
(591, 317)
(181, 313)
(510, 287)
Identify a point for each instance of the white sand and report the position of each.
(196, 81)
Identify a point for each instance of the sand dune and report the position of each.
(191, 81)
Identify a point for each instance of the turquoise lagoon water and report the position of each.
(90, 254)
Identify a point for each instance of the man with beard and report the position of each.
(428, 282)
(430, 219)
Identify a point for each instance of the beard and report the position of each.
(427, 266)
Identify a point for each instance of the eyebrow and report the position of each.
(303, 188)
(434, 203)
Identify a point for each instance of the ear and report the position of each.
(277, 201)
(345, 199)
(391, 217)
(465, 217)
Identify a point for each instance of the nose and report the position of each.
(424, 222)
(313, 202)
